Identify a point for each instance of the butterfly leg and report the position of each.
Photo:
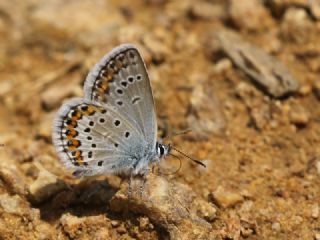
(144, 181)
(130, 187)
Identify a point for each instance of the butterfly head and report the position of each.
(162, 150)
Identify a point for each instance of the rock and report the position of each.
(248, 14)
(12, 179)
(278, 7)
(297, 219)
(131, 33)
(5, 88)
(314, 6)
(19, 219)
(88, 227)
(115, 223)
(158, 49)
(318, 167)
(305, 90)
(259, 110)
(276, 227)
(144, 223)
(317, 236)
(315, 211)
(207, 11)
(45, 127)
(13, 204)
(45, 186)
(265, 70)
(296, 25)
(224, 198)
(206, 210)
(316, 89)
(299, 116)
(156, 2)
(51, 22)
(171, 206)
(101, 234)
(53, 96)
(248, 227)
(205, 119)
(223, 65)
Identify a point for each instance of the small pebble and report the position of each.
(305, 90)
(225, 198)
(121, 230)
(53, 96)
(223, 65)
(314, 6)
(299, 117)
(276, 227)
(318, 167)
(315, 211)
(207, 11)
(115, 223)
(296, 25)
(316, 89)
(248, 14)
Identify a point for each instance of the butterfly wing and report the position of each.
(93, 139)
(120, 81)
(113, 129)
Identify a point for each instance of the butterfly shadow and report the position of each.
(88, 197)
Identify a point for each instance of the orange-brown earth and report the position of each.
(262, 153)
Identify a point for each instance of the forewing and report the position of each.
(120, 80)
(93, 139)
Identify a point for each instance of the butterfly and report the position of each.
(113, 129)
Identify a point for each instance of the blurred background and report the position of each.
(243, 75)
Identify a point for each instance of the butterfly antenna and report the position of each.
(194, 160)
(178, 133)
(180, 165)
(182, 132)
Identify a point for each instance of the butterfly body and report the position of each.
(113, 128)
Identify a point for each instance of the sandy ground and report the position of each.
(252, 105)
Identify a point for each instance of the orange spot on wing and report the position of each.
(76, 115)
(91, 110)
(73, 144)
(71, 123)
(71, 133)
